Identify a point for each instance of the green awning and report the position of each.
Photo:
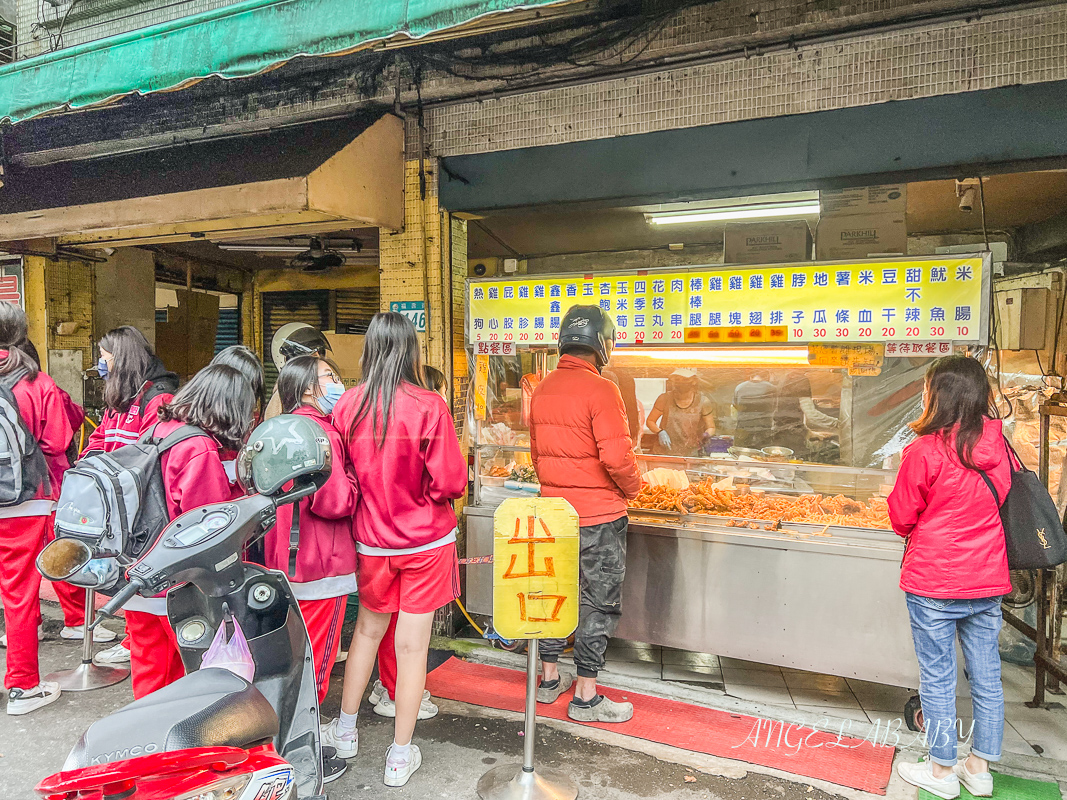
(232, 42)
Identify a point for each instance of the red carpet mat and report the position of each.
(855, 763)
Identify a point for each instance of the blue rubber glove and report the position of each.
(665, 439)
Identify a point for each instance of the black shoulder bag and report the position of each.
(1033, 532)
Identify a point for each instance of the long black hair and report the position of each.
(218, 400)
(958, 394)
(14, 336)
(390, 358)
(245, 361)
(133, 357)
(299, 374)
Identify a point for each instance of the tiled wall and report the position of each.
(1017, 47)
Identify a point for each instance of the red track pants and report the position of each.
(387, 659)
(324, 619)
(71, 598)
(154, 658)
(21, 539)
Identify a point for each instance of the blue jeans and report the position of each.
(934, 626)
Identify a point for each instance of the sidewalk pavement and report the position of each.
(458, 746)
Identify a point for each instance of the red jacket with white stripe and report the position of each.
(121, 428)
(326, 557)
(406, 485)
(43, 407)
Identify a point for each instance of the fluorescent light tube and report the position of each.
(727, 213)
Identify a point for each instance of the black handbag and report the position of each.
(1033, 531)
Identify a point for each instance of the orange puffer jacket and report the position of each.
(580, 442)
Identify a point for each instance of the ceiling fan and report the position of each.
(318, 257)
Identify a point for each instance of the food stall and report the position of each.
(761, 531)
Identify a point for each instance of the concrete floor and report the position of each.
(459, 745)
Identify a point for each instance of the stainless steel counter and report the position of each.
(825, 604)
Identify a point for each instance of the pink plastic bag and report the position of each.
(233, 655)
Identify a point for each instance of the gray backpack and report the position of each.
(115, 502)
(23, 469)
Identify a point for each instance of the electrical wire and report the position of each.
(469, 618)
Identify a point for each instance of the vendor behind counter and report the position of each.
(682, 417)
(755, 403)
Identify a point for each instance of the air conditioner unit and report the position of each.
(483, 267)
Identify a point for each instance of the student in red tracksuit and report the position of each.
(136, 384)
(326, 560)
(23, 527)
(383, 693)
(401, 442)
(219, 401)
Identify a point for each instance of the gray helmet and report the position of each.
(281, 449)
(588, 328)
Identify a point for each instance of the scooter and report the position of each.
(213, 734)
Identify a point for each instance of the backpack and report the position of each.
(23, 469)
(116, 502)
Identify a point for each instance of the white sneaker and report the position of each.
(921, 774)
(979, 784)
(23, 701)
(385, 707)
(377, 692)
(40, 636)
(342, 657)
(346, 743)
(77, 632)
(398, 772)
(113, 655)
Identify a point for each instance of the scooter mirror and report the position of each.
(62, 558)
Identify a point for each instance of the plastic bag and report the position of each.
(233, 655)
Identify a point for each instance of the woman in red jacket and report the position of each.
(219, 401)
(402, 446)
(23, 527)
(326, 559)
(136, 384)
(955, 569)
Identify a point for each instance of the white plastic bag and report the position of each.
(233, 655)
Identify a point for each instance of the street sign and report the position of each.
(414, 310)
(535, 568)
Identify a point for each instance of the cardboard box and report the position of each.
(767, 242)
(885, 199)
(860, 236)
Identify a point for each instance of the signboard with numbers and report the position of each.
(927, 299)
(535, 568)
(414, 310)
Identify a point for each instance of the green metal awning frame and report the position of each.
(235, 41)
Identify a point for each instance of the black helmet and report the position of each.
(589, 328)
(297, 339)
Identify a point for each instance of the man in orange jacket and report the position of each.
(582, 451)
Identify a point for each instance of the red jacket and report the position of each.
(117, 429)
(955, 540)
(407, 485)
(193, 475)
(580, 442)
(44, 408)
(326, 558)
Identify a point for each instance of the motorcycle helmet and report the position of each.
(297, 339)
(587, 328)
(282, 449)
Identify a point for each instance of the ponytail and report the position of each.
(15, 341)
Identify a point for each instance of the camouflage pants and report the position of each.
(602, 570)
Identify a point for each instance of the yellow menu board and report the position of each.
(535, 568)
(647, 309)
(918, 299)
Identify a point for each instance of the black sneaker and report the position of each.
(332, 767)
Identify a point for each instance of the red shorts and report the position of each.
(417, 583)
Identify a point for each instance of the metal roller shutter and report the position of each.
(281, 308)
(355, 307)
(229, 330)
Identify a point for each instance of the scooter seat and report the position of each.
(207, 708)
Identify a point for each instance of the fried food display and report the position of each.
(703, 498)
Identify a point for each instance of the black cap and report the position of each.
(587, 328)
